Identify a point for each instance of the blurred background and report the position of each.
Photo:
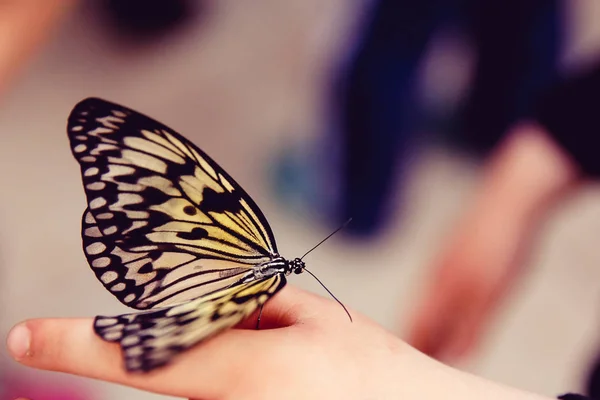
(395, 113)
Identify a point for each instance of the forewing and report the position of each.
(151, 339)
(154, 196)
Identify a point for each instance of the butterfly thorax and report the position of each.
(277, 265)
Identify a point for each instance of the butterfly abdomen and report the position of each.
(277, 265)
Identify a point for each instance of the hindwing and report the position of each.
(151, 339)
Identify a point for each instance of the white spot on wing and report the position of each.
(101, 262)
(104, 322)
(112, 336)
(129, 298)
(105, 216)
(95, 248)
(97, 203)
(119, 287)
(133, 327)
(134, 351)
(109, 276)
(89, 218)
(110, 230)
(92, 232)
(130, 341)
(96, 186)
(91, 171)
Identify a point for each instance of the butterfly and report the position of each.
(168, 232)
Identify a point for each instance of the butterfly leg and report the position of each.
(259, 315)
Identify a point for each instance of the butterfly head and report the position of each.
(296, 266)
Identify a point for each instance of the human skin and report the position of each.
(24, 27)
(486, 250)
(307, 349)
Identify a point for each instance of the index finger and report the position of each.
(71, 346)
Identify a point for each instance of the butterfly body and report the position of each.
(168, 232)
(277, 265)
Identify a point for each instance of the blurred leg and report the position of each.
(377, 107)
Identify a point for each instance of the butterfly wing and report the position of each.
(151, 339)
(151, 276)
(164, 224)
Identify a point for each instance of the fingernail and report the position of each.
(18, 341)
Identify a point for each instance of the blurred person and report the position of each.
(379, 115)
(308, 351)
(378, 120)
(540, 161)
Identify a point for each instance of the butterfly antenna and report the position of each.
(331, 294)
(330, 235)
